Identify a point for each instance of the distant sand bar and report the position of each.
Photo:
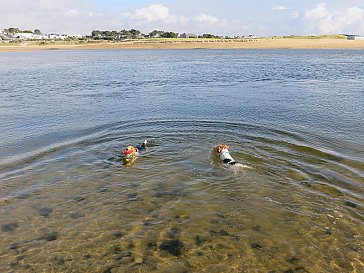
(286, 43)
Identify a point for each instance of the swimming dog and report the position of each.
(222, 150)
(131, 153)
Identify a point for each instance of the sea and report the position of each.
(70, 202)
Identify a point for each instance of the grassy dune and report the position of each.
(335, 36)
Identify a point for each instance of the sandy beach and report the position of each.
(191, 44)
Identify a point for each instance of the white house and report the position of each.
(354, 37)
(78, 36)
(25, 36)
(31, 36)
(37, 37)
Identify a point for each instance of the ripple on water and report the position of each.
(75, 206)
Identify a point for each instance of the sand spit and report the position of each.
(190, 44)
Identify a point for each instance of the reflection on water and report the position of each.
(69, 204)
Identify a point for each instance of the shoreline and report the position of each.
(286, 43)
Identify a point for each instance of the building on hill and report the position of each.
(187, 35)
(28, 36)
(354, 37)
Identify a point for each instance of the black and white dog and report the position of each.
(222, 150)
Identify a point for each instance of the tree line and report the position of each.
(137, 34)
(130, 34)
(13, 30)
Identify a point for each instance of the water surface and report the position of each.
(68, 204)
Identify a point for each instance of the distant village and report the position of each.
(15, 34)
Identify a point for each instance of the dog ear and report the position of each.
(218, 148)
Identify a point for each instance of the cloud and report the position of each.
(278, 8)
(67, 16)
(151, 13)
(321, 20)
(205, 18)
(159, 16)
(154, 16)
(288, 12)
(72, 12)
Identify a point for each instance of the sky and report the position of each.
(219, 17)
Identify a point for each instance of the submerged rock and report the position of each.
(257, 228)
(256, 246)
(14, 246)
(152, 245)
(51, 236)
(222, 215)
(293, 260)
(221, 232)
(59, 260)
(78, 198)
(307, 184)
(350, 204)
(23, 196)
(87, 256)
(9, 227)
(148, 222)
(172, 246)
(108, 269)
(76, 215)
(301, 269)
(126, 260)
(198, 240)
(118, 234)
(132, 196)
(114, 250)
(45, 212)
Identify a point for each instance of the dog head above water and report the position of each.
(130, 151)
(218, 149)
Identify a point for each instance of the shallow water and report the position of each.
(68, 204)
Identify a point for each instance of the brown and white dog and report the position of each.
(132, 151)
(131, 154)
(222, 150)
